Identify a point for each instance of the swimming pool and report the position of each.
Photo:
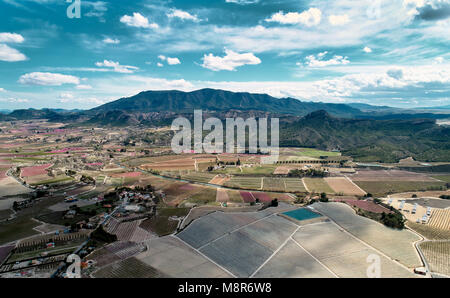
(302, 214)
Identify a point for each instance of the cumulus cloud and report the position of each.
(48, 79)
(319, 61)
(7, 53)
(183, 15)
(309, 18)
(367, 50)
(116, 67)
(2, 90)
(159, 64)
(7, 37)
(109, 40)
(338, 20)
(138, 20)
(230, 61)
(169, 60)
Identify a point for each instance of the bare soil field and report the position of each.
(374, 233)
(222, 196)
(344, 186)
(173, 258)
(423, 194)
(219, 180)
(440, 219)
(10, 187)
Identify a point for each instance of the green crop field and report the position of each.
(198, 177)
(244, 182)
(203, 197)
(318, 185)
(428, 231)
(273, 184)
(444, 178)
(294, 185)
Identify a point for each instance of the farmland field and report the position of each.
(294, 185)
(198, 176)
(428, 231)
(273, 184)
(244, 182)
(437, 254)
(374, 233)
(128, 268)
(344, 186)
(204, 196)
(318, 185)
(380, 188)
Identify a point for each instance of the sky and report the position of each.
(380, 52)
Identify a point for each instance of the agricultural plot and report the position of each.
(390, 175)
(373, 233)
(219, 180)
(365, 205)
(198, 177)
(440, 218)
(10, 187)
(344, 186)
(273, 184)
(222, 195)
(292, 261)
(429, 232)
(171, 165)
(317, 185)
(129, 268)
(203, 197)
(294, 185)
(437, 254)
(444, 178)
(174, 258)
(244, 182)
(247, 197)
(380, 188)
(341, 253)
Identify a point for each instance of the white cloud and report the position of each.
(9, 54)
(159, 64)
(438, 60)
(318, 60)
(170, 61)
(173, 61)
(367, 50)
(230, 61)
(242, 2)
(6, 37)
(111, 41)
(83, 87)
(116, 67)
(309, 18)
(14, 100)
(338, 20)
(183, 15)
(2, 90)
(138, 20)
(48, 79)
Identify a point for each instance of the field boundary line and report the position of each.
(262, 183)
(274, 253)
(355, 184)
(316, 259)
(304, 184)
(237, 229)
(206, 257)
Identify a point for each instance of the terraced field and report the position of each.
(437, 254)
(317, 185)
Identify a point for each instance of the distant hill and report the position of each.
(368, 139)
(220, 100)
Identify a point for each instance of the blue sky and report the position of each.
(379, 52)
